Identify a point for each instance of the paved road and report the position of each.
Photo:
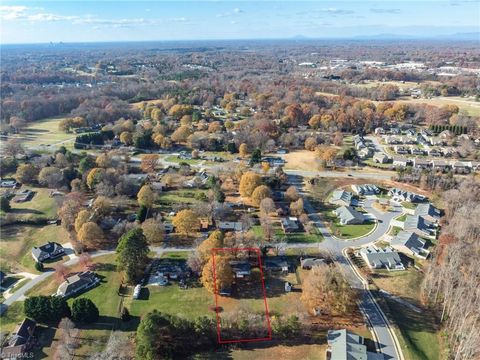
(336, 247)
(377, 175)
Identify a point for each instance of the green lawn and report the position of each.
(12, 317)
(42, 206)
(297, 237)
(351, 231)
(402, 217)
(409, 205)
(18, 240)
(419, 337)
(175, 159)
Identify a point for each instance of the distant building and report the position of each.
(50, 250)
(380, 158)
(346, 345)
(275, 264)
(400, 161)
(365, 189)
(347, 215)
(377, 258)
(230, 225)
(400, 195)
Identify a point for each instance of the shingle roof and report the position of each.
(427, 209)
(341, 195)
(415, 222)
(410, 240)
(347, 213)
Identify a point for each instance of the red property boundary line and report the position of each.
(269, 327)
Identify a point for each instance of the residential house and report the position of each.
(289, 224)
(309, 263)
(77, 283)
(440, 165)
(275, 264)
(49, 251)
(346, 345)
(409, 243)
(419, 226)
(380, 158)
(365, 153)
(241, 269)
(417, 151)
(377, 258)
(461, 167)
(341, 197)
(230, 226)
(379, 131)
(347, 215)
(401, 150)
(434, 152)
(428, 212)
(392, 140)
(400, 195)
(420, 163)
(23, 196)
(8, 184)
(21, 342)
(365, 189)
(400, 161)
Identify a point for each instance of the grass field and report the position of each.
(44, 132)
(41, 206)
(297, 237)
(18, 240)
(419, 335)
(13, 316)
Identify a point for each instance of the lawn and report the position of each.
(13, 316)
(41, 206)
(419, 336)
(18, 240)
(291, 238)
(409, 205)
(181, 196)
(44, 132)
(176, 159)
(402, 218)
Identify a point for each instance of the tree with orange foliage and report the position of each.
(149, 162)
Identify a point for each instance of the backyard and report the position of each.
(18, 240)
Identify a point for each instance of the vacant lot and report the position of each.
(301, 160)
(18, 240)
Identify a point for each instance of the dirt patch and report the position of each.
(301, 160)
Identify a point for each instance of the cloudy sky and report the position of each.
(86, 21)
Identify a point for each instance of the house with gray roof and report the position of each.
(289, 224)
(309, 263)
(400, 195)
(365, 189)
(230, 225)
(241, 268)
(77, 283)
(377, 258)
(48, 251)
(341, 197)
(346, 345)
(21, 341)
(428, 212)
(410, 243)
(380, 158)
(347, 215)
(419, 226)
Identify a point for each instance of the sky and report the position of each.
(99, 21)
